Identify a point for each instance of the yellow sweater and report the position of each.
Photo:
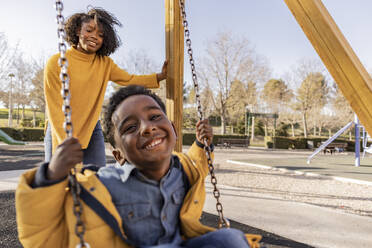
(89, 75)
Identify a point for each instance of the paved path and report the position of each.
(309, 224)
(339, 166)
(9, 179)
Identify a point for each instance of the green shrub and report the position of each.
(189, 138)
(25, 134)
(301, 143)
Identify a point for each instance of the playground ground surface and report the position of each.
(250, 162)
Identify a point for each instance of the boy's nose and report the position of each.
(147, 128)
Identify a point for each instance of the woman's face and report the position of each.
(90, 37)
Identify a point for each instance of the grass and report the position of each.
(28, 116)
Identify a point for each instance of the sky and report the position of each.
(267, 24)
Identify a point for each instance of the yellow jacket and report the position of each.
(89, 75)
(45, 215)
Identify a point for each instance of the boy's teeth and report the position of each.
(153, 143)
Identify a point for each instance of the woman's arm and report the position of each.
(123, 78)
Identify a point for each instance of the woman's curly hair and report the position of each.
(111, 40)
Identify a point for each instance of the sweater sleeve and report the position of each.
(123, 78)
(40, 213)
(53, 99)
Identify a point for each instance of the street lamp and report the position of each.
(10, 118)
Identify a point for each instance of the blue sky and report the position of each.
(268, 24)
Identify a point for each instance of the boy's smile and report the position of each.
(144, 135)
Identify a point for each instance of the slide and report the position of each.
(9, 140)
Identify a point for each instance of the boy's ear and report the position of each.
(118, 156)
(175, 129)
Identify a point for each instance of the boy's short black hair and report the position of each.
(117, 98)
(111, 40)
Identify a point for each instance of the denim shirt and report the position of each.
(149, 209)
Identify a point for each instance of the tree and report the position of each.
(229, 59)
(139, 62)
(206, 96)
(37, 93)
(276, 94)
(341, 106)
(7, 54)
(312, 96)
(236, 102)
(292, 118)
(24, 72)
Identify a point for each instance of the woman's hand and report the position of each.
(163, 74)
(66, 156)
(204, 131)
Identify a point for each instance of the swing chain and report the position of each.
(222, 222)
(65, 92)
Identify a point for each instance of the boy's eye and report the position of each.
(129, 128)
(155, 117)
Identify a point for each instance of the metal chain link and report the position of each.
(66, 108)
(222, 222)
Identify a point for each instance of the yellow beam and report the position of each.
(337, 55)
(174, 52)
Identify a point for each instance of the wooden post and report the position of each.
(337, 55)
(174, 52)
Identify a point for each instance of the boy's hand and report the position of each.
(66, 156)
(204, 130)
(164, 71)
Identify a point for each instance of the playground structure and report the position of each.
(9, 140)
(357, 127)
(250, 122)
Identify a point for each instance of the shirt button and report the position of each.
(196, 201)
(164, 217)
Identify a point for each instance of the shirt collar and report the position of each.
(126, 169)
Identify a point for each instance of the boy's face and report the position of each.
(143, 133)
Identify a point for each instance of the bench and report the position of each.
(228, 142)
(333, 147)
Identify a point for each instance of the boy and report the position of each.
(150, 198)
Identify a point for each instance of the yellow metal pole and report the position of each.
(337, 55)
(174, 52)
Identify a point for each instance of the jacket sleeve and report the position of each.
(199, 157)
(123, 78)
(40, 213)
